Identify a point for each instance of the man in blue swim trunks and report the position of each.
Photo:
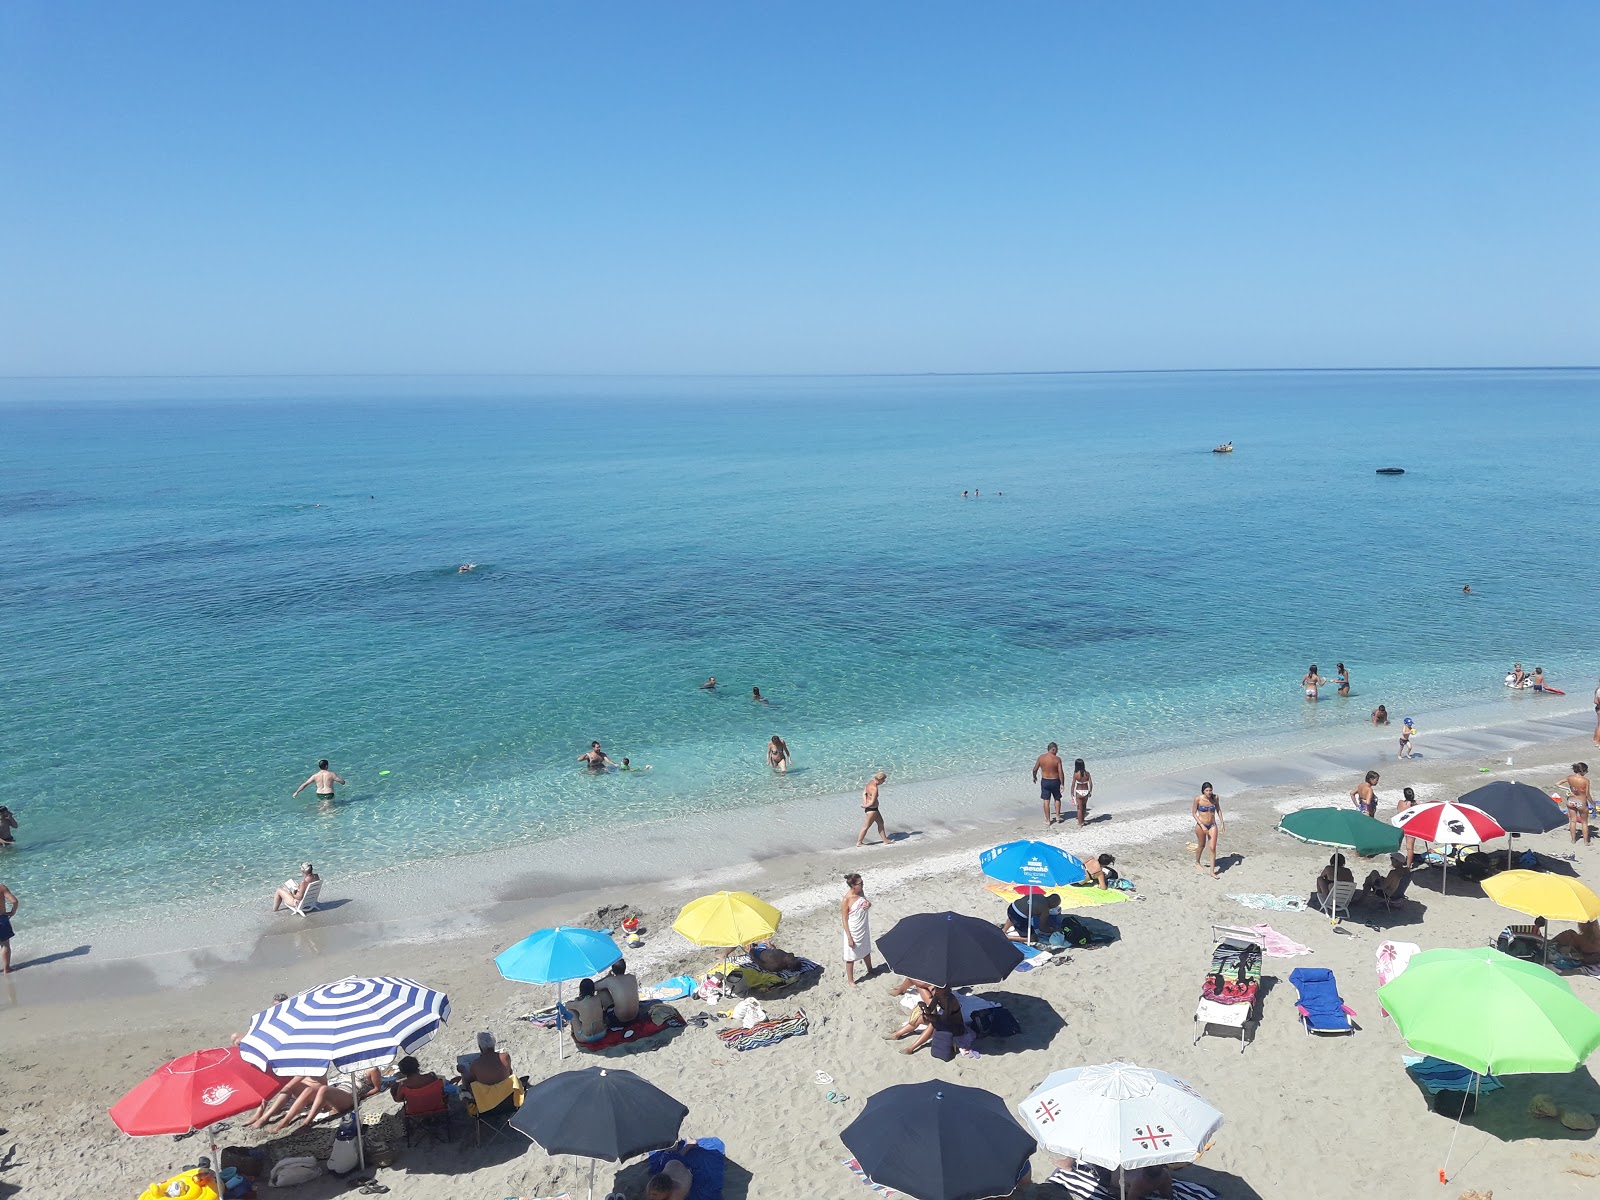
(1048, 772)
(8, 909)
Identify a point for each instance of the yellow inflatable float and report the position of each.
(198, 1184)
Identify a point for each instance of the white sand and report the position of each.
(1306, 1117)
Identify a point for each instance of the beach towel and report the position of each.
(676, 988)
(1392, 960)
(806, 967)
(1276, 945)
(1434, 1075)
(856, 1170)
(1235, 975)
(707, 1161)
(639, 1031)
(1274, 903)
(767, 1032)
(1564, 958)
(1092, 1183)
(1071, 897)
(545, 1018)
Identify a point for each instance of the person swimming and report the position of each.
(1380, 715)
(466, 568)
(709, 685)
(755, 694)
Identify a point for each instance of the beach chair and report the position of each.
(1392, 900)
(1321, 1008)
(1231, 991)
(1337, 900)
(707, 1160)
(426, 1114)
(308, 902)
(492, 1105)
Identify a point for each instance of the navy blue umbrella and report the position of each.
(1516, 807)
(937, 1141)
(949, 950)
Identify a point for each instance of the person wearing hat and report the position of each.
(292, 890)
(491, 1066)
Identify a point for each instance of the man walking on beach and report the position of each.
(324, 779)
(1048, 773)
(8, 909)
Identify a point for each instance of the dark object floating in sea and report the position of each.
(1391, 470)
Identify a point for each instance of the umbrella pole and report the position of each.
(361, 1144)
(561, 1043)
(1444, 1171)
(591, 1179)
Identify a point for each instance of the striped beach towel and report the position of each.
(766, 1033)
(856, 1170)
(1434, 1075)
(1092, 1183)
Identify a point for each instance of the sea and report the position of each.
(207, 585)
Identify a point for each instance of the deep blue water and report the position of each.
(209, 584)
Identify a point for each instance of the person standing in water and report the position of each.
(1048, 773)
(1312, 682)
(853, 915)
(1597, 714)
(1408, 730)
(595, 758)
(8, 909)
(324, 779)
(1082, 789)
(1341, 679)
(1207, 813)
(778, 754)
(1577, 785)
(8, 823)
(869, 809)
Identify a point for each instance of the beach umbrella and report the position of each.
(1448, 824)
(949, 950)
(1120, 1116)
(1343, 829)
(1031, 864)
(1517, 808)
(345, 1027)
(556, 955)
(939, 1141)
(1555, 897)
(1490, 1013)
(727, 919)
(598, 1113)
(192, 1092)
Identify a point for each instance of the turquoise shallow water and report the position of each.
(209, 584)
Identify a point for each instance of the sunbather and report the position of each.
(588, 1014)
(1099, 872)
(770, 958)
(1334, 872)
(490, 1067)
(674, 1181)
(620, 992)
(1386, 885)
(288, 1091)
(1040, 915)
(322, 1097)
(937, 1009)
(1584, 941)
(294, 891)
(417, 1089)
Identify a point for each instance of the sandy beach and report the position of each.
(1309, 1117)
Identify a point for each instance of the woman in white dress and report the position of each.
(857, 934)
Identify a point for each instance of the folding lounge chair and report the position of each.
(1321, 1008)
(308, 902)
(1232, 985)
(493, 1105)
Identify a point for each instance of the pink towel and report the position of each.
(1275, 944)
(1392, 959)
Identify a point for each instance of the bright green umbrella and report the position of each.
(1491, 1013)
(1344, 829)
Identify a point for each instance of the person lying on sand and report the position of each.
(770, 958)
(1099, 871)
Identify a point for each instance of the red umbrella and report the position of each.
(1445, 823)
(192, 1092)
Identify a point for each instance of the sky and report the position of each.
(818, 187)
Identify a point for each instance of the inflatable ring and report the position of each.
(188, 1188)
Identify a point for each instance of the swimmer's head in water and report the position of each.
(322, 764)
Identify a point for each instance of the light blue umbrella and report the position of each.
(1031, 864)
(556, 955)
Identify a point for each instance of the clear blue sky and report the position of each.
(685, 187)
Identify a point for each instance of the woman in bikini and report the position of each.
(778, 754)
(1312, 682)
(1341, 679)
(1365, 799)
(1207, 811)
(869, 809)
(1578, 795)
(1082, 789)
(1408, 799)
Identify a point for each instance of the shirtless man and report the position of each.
(1577, 784)
(8, 823)
(1049, 773)
(324, 779)
(620, 991)
(595, 758)
(8, 909)
(709, 685)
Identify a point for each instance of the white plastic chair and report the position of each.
(307, 902)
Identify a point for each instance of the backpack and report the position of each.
(1074, 932)
(287, 1172)
(995, 1022)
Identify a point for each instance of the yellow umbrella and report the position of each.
(1556, 897)
(727, 919)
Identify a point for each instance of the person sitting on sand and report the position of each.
(937, 1009)
(491, 1066)
(1335, 871)
(588, 1014)
(620, 991)
(1017, 922)
(1380, 715)
(420, 1091)
(1098, 872)
(292, 892)
(1584, 941)
(288, 1091)
(674, 1181)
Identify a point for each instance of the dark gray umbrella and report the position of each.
(949, 950)
(1516, 808)
(938, 1141)
(599, 1113)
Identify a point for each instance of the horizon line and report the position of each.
(796, 374)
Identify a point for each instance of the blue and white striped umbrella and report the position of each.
(347, 1027)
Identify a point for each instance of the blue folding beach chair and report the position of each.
(707, 1161)
(1321, 1008)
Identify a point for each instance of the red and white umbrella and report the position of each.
(1448, 824)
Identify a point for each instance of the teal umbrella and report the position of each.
(1343, 829)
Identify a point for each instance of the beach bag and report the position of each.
(1073, 932)
(994, 1022)
(346, 1154)
(1476, 866)
(749, 1013)
(1528, 861)
(942, 1045)
(289, 1172)
(664, 1014)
